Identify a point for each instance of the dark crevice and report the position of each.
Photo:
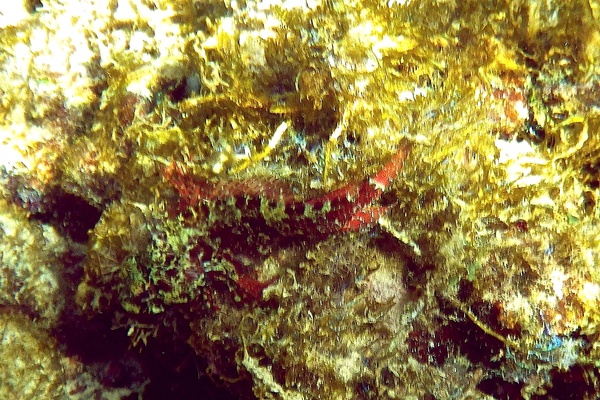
(577, 383)
(71, 215)
(500, 389)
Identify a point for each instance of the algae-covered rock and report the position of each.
(31, 367)
(375, 199)
(30, 267)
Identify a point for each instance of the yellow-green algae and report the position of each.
(493, 224)
(31, 367)
(30, 267)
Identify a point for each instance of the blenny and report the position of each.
(268, 205)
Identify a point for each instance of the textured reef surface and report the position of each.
(300, 199)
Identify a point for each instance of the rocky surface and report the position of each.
(198, 197)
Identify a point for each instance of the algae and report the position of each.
(192, 126)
